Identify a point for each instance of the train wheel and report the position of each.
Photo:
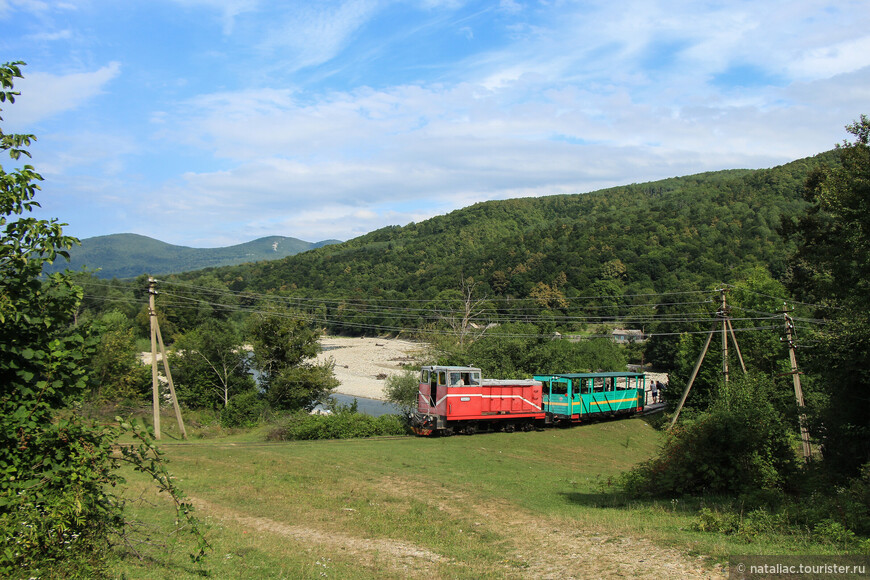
(527, 426)
(448, 432)
(470, 429)
(510, 428)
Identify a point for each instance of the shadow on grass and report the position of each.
(149, 564)
(622, 500)
(603, 499)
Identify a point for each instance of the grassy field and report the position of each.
(521, 505)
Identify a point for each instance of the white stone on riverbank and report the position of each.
(360, 361)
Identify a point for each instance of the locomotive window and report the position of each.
(456, 379)
(442, 378)
(559, 388)
(424, 376)
(473, 379)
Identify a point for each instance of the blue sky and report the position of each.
(214, 122)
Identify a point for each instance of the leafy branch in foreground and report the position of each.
(146, 457)
(58, 516)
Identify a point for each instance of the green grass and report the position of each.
(465, 505)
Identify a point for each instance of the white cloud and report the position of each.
(38, 7)
(309, 34)
(44, 95)
(103, 151)
(6, 6)
(228, 9)
(65, 34)
(510, 6)
(827, 61)
(333, 165)
(563, 98)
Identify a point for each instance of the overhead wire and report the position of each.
(354, 308)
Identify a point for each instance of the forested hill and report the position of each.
(131, 255)
(669, 235)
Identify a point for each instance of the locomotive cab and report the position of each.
(433, 395)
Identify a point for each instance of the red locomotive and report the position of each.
(457, 400)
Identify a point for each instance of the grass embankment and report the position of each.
(497, 505)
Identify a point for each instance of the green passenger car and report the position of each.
(579, 397)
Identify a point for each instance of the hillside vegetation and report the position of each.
(677, 234)
(131, 255)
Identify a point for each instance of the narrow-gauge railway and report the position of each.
(458, 400)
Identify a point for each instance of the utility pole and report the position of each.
(723, 312)
(726, 327)
(155, 383)
(796, 379)
(692, 378)
(157, 339)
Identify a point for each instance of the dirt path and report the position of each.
(403, 557)
(559, 548)
(562, 549)
(543, 548)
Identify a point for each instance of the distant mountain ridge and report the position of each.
(130, 255)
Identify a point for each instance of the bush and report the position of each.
(740, 447)
(244, 410)
(59, 523)
(345, 424)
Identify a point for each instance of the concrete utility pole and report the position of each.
(796, 379)
(155, 383)
(157, 339)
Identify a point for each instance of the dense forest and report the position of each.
(661, 236)
(572, 260)
(651, 257)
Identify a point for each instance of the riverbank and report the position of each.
(363, 364)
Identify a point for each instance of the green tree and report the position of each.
(832, 268)
(40, 371)
(403, 390)
(211, 365)
(564, 356)
(504, 352)
(57, 514)
(517, 350)
(116, 373)
(283, 343)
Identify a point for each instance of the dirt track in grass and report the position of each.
(548, 548)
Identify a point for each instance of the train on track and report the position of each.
(455, 400)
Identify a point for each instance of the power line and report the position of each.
(347, 312)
